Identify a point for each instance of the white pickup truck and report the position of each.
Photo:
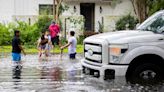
(137, 54)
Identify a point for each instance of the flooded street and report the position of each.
(59, 75)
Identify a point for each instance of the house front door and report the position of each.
(88, 11)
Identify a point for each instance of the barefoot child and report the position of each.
(43, 45)
(71, 45)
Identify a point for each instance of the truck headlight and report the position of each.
(116, 52)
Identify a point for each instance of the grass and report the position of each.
(33, 49)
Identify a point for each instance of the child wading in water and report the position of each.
(50, 46)
(72, 42)
(43, 43)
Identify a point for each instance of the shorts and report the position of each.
(55, 40)
(72, 56)
(43, 46)
(16, 57)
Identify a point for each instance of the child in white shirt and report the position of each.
(72, 42)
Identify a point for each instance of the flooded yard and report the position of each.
(55, 74)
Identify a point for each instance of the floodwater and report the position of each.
(56, 74)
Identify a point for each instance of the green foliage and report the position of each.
(101, 27)
(127, 21)
(80, 39)
(155, 5)
(32, 49)
(63, 8)
(63, 41)
(29, 33)
(44, 22)
(5, 36)
(77, 21)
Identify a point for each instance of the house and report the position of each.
(24, 10)
(95, 12)
(99, 12)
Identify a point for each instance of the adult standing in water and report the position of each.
(54, 32)
(17, 47)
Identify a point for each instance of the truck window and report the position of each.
(154, 24)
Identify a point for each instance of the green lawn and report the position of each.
(33, 49)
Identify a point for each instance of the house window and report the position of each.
(45, 9)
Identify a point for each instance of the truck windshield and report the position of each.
(155, 23)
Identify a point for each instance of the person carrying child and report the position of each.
(72, 42)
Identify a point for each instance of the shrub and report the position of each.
(43, 22)
(29, 33)
(80, 39)
(63, 41)
(127, 21)
(5, 37)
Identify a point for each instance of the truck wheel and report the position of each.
(147, 73)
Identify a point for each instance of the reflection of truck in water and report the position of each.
(137, 54)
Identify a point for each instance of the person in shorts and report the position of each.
(72, 42)
(17, 47)
(43, 45)
(54, 32)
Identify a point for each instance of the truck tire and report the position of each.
(147, 73)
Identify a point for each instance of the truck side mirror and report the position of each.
(137, 25)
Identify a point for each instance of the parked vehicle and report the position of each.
(137, 54)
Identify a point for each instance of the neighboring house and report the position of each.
(24, 10)
(107, 12)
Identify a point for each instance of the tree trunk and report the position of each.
(134, 8)
(57, 10)
(140, 9)
(54, 9)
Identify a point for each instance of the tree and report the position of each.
(126, 22)
(141, 9)
(156, 5)
(145, 8)
(57, 5)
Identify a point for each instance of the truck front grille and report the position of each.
(93, 52)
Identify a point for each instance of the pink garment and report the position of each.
(54, 30)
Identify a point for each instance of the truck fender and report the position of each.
(132, 54)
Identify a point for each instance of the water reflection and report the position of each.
(56, 75)
(16, 75)
(17, 69)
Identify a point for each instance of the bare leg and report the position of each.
(40, 52)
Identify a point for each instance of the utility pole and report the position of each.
(54, 9)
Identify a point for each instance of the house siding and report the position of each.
(25, 9)
(110, 12)
(20, 9)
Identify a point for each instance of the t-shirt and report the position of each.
(44, 41)
(15, 45)
(54, 30)
(72, 47)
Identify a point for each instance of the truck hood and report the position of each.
(132, 36)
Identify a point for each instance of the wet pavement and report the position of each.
(56, 74)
